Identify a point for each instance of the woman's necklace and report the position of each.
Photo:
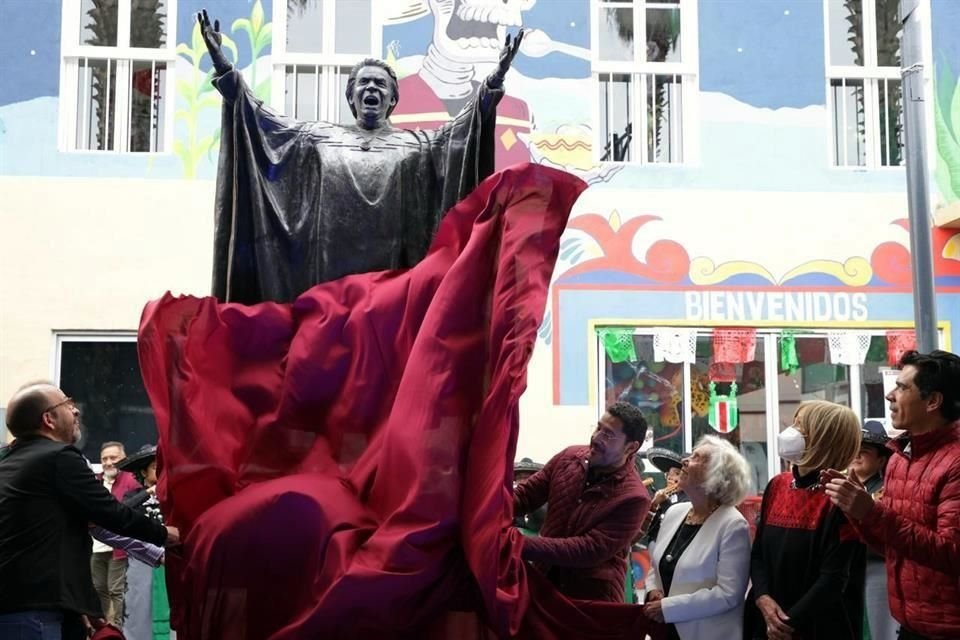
(693, 518)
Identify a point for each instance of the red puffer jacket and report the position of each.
(916, 525)
(590, 524)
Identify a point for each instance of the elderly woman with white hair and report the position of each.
(700, 563)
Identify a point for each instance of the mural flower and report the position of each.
(665, 261)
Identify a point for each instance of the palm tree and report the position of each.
(662, 38)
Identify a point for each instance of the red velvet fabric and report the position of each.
(342, 466)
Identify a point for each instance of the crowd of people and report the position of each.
(859, 537)
(71, 540)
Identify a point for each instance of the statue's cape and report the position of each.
(341, 467)
(299, 203)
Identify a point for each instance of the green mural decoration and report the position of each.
(259, 33)
(196, 94)
(946, 108)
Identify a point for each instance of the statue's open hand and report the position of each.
(213, 40)
(511, 46)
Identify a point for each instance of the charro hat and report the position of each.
(526, 464)
(664, 459)
(875, 435)
(140, 460)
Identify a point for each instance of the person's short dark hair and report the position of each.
(634, 424)
(937, 372)
(352, 80)
(26, 411)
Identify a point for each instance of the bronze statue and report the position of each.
(299, 203)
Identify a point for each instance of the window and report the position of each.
(102, 374)
(863, 82)
(315, 44)
(116, 75)
(644, 91)
(675, 397)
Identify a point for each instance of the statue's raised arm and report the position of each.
(213, 40)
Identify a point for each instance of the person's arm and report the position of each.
(883, 528)
(841, 547)
(135, 497)
(145, 552)
(80, 491)
(733, 570)
(758, 570)
(609, 538)
(533, 493)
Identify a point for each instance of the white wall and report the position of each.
(87, 254)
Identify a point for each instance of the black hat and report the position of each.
(664, 459)
(526, 464)
(140, 460)
(875, 435)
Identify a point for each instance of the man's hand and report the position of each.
(654, 595)
(510, 48)
(173, 537)
(213, 40)
(776, 619)
(847, 493)
(654, 610)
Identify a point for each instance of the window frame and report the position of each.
(768, 336)
(872, 75)
(326, 63)
(72, 52)
(688, 69)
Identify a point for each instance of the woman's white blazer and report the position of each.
(710, 579)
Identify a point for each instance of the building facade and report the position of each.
(743, 245)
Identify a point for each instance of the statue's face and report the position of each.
(473, 30)
(373, 96)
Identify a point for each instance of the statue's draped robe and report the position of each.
(299, 203)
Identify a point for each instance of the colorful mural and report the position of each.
(759, 210)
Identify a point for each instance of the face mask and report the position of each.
(791, 444)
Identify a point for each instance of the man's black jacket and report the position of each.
(48, 498)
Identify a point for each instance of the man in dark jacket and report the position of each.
(597, 506)
(915, 524)
(48, 498)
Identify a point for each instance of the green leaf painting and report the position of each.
(946, 108)
(196, 94)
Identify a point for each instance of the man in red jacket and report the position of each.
(597, 505)
(916, 524)
(108, 565)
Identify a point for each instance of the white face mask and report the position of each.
(791, 444)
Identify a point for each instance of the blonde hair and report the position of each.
(728, 473)
(832, 434)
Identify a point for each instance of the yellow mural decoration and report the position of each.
(564, 149)
(705, 271)
(854, 272)
(951, 250)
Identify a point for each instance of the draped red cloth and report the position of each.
(342, 466)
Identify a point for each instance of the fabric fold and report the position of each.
(342, 466)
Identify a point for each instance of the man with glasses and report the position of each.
(597, 506)
(48, 497)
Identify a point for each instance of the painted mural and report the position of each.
(760, 207)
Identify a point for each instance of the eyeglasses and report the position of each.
(66, 401)
(606, 436)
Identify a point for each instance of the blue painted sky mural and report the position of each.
(761, 79)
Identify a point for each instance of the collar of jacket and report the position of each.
(912, 446)
(610, 479)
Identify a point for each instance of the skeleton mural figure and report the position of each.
(467, 36)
